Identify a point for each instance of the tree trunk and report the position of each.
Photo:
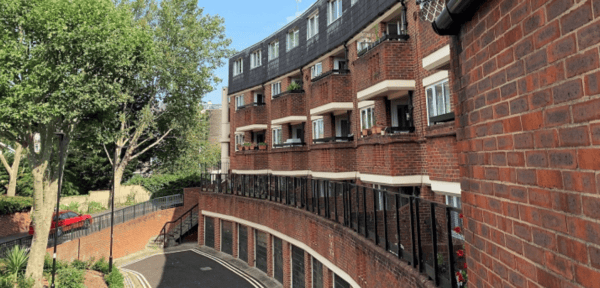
(117, 178)
(14, 171)
(44, 205)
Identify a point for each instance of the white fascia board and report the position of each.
(250, 172)
(289, 119)
(335, 175)
(437, 59)
(385, 88)
(445, 187)
(335, 106)
(437, 77)
(387, 180)
(291, 173)
(255, 127)
(363, 104)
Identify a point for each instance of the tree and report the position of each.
(62, 63)
(12, 169)
(190, 46)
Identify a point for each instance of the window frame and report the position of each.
(456, 202)
(331, 5)
(372, 119)
(239, 140)
(256, 59)
(313, 75)
(293, 40)
(277, 136)
(447, 105)
(319, 130)
(273, 85)
(238, 67)
(273, 50)
(239, 101)
(312, 25)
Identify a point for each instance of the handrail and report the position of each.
(385, 37)
(287, 93)
(334, 139)
(331, 72)
(163, 231)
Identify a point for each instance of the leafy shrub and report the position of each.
(161, 185)
(73, 206)
(70, 278)
(5, 282)
(294, 87)
(95, 207)
(9, 205)
(25, 282)
(15, 262)
(48, 264)
(78, 264)
(101, 266)
(114, 279)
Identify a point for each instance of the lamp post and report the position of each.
(61, 136)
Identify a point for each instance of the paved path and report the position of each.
(190, 268)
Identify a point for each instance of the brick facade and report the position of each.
(11, 224)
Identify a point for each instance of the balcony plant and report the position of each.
(294, 87)
(376, 129)
(247, 146)
(252, 146)
(240, 147)
(262, 146)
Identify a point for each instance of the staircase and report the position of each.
(174, 231)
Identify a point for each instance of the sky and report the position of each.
(248, 22)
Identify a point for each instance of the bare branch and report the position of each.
(5, 163)
(144, 141)
(108, 155)
(152, 145)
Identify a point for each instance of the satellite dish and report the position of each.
(430, 9)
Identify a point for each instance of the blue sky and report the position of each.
(248, 22)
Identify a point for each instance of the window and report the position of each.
(274, 50)
(255, 59)
(438, 100)
(275, 89)
(367, 117)
(293, 39)
(239, 101)
(239, 140)
(259, 99)
(316, 70)
(238, 67)
(363, 44)
(342, 126)
(455, 202)
(277, 136)
(334, 10)
(318, 129)
(312, 28)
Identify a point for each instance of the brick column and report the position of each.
(287, 263)
(217, 234)
(327, 278)
(251, 261)
(307, 270)
(200, 229)
(270, 256)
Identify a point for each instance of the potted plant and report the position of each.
(376, 129)
(240, 147)
(262, 146)
(294, 87)
(247, 146)
(366, 132)
(252, 146)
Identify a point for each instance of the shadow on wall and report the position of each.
(15, 223)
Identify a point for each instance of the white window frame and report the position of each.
(436, 108)
(318, 131)
(274, 50)
(239, 140)
(255, 59)
(455, 201)
(365, 121)
(277, 136)
(293, 39)
(362, 44)
(239, 101)
(334, 6)
(275, 89)
(238, 66)
(312, 26)
(316, 70)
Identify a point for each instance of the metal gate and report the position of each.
(209, 231)
(261, 250)
(340, 283)
(243, 242)
(317, 273)
(227, 237)
(278, 259)
(297, 267)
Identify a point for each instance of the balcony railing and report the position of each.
(291, 144)
(336, 71)
(379, 41)
(251, 105)
(287, 93)
(334, 139)
(415, 230)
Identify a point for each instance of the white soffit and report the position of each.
(334, 175)
(394, 180)
(363, 104)
(335, 106)
(437, 77)
(291, 173)
(255, 127)
(289, 119)
(444, 187)
(385, 88)
(437, 59)
(250, 172)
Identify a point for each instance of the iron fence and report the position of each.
(100, 222)
(416, 230)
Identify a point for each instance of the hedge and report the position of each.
(10, 205)
(161, 185)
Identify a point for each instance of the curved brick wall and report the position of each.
(361, 259)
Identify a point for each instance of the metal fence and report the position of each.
(416, 230)
(101, 222)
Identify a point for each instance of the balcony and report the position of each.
(251, 117)
(335, 158)
(286, 160)
(288, 107)
(396, 159)
(384, 70)
(250, 160)
(331, 92)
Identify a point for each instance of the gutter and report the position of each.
(456, 13)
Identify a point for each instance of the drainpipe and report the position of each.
(403, 22)
(454, 15)
(346, 56)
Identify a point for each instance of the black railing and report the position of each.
(251, 105)
(287, 93)
(176, 229)
(413, 229)
(291, 144)
(400, 129)
(100, 222)
(335, 71)
(384, 38)
(334, 139)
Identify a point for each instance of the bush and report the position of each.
(48, 264)
(95, 207)
(101, 266)
(161, 185)
(73, 206)
(15, 262)
(70, 278)
(25, 283)
(114, 279)
(9, 205)
(78, 264)
(5, 282)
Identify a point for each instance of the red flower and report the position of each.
(465, 265)
(460, 253)
(460, 216)
(457, 229)
(459, 277)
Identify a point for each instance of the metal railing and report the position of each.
(384, 38)
(100, 222)
(174, 230)
(334, 139)
(416, 230)
(331, 72)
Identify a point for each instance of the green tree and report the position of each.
(190, 46)
(11, 169)
(62, 63)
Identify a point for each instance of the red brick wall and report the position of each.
(366, 263)
(292, 104)
(251, 160)
(251, 115)
(396, 156)
(527, 81)
(388, 61)
(332, 88)
(14, 223)
(333, 157)
(289, 159)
